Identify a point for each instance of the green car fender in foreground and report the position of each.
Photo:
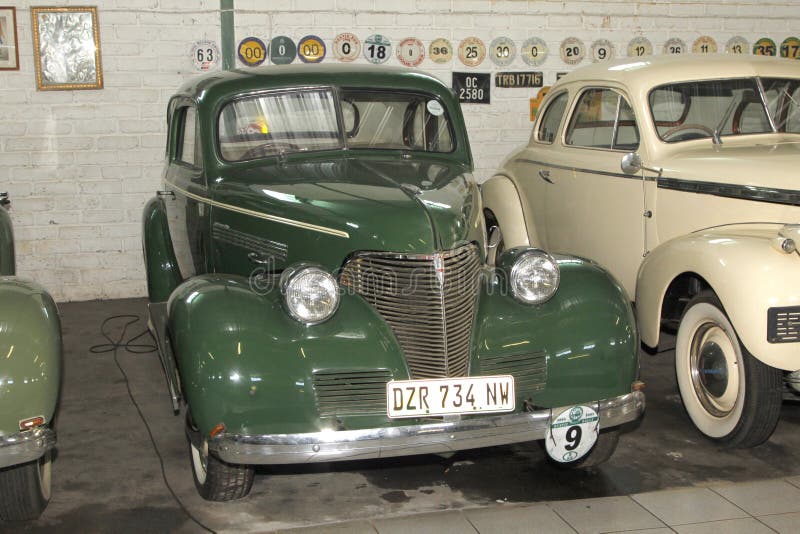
(586, 333)
(245, 363)
(30, 350)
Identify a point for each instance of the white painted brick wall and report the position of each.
(79, 165)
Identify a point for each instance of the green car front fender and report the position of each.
(246, 363)
(585, 336)
(30, 354)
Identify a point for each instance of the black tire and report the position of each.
(25, 490)
(729, 395)
(601, 451)
(214, 479)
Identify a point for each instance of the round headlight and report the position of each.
(534, 277)
(311, 294)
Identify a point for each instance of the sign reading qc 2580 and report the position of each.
(472, 87)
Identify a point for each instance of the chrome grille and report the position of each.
(428, 300)
(341, 393)
(529, 370)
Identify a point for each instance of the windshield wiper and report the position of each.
(763, 96)
(715, 138)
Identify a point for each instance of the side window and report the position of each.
(603, 119)
(188, 147)
(548, 127)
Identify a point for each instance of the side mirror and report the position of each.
(631, 163)
(4, 201)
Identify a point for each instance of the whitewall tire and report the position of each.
(729, 395)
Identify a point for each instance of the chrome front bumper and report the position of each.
(26, 446)
(433, 438)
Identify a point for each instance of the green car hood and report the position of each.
(381, 203)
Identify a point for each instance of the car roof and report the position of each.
(650, 71)
(221, 85)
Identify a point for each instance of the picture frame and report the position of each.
(66, 48)
(9, 43)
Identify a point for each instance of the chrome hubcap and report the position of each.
(714, 368)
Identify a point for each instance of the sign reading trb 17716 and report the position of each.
(472, 87)
(507, 80)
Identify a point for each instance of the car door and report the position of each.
(593, 209)
(184, 192)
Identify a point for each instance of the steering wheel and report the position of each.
(672, 131)
(270, 148)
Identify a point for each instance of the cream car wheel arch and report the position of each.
(501, 197)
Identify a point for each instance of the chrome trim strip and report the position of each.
(432, 438)
(260, 215)
(637, 177)
(26, 446)
(788, 197)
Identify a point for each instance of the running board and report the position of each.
(157, 323)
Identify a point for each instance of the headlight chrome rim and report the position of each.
(522, 262)
(295, 275)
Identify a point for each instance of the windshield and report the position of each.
(277, 123)
(721, 108)
(285, 122)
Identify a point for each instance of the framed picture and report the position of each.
(66, 48)
(9, 54)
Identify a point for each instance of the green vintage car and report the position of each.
(322, 287)
(30, 379)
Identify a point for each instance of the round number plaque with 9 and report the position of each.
(572, 434)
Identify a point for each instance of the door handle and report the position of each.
(545, 175)
(165, 193)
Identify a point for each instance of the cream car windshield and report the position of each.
(721, 108)
(279, 123)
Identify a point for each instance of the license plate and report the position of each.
(479, 394)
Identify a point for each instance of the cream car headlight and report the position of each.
(534, 277)
(311, 294)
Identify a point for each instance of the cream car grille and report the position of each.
(355, 392)
(783, 325)
(428, 300)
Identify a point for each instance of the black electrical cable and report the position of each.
(139, 348)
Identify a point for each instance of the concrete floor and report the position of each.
(107, 476)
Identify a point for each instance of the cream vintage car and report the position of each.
(680, 175)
